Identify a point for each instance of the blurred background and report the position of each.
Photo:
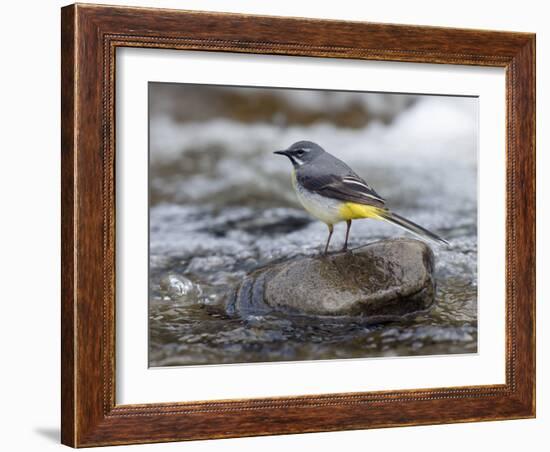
(221, 205)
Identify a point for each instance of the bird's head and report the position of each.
(302, 152)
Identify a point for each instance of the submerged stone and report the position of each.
(382, 281)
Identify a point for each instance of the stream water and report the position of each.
(221, 205)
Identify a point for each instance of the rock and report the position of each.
(382, 281)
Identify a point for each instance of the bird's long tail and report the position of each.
(408, 225)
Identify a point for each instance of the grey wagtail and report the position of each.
(332, 192)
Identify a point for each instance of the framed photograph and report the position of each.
(281, 225)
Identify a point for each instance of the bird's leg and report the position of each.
(348, 222)
(330, 229)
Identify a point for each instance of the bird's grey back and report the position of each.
(331, 177)
(324, 164)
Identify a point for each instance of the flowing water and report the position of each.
(222, 205)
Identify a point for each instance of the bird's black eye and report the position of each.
(300, 152)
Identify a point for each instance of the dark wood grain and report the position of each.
(90, 36)
(68, 310)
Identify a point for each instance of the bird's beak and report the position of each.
(281, 152)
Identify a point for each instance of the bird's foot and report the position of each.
(345, 249)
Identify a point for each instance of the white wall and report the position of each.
(30, 223)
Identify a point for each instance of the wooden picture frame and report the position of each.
(90, 36)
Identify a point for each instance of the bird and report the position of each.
(332, 192)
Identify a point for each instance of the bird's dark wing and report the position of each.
(345, 188)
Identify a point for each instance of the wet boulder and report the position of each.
(382, 281)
